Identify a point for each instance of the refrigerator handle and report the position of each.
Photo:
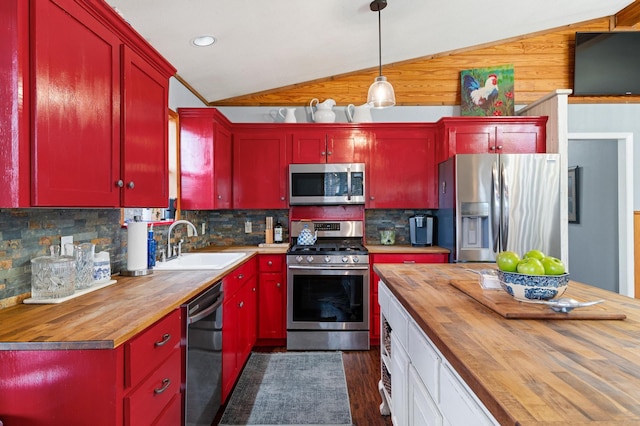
(504, 195)
(495, 207)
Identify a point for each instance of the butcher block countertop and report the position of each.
(528, 372)
(108, 317)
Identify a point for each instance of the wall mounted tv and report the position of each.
(607, 64)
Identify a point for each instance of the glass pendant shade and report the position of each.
(381, 93)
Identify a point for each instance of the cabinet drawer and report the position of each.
(232, 282)
(399, 322)
(147, 402)
(424, 358)
(270, 262)
(172, 414)
(150, 348)
(411, 258)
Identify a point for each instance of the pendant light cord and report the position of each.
(379, 41)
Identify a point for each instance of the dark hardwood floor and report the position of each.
(362, 369)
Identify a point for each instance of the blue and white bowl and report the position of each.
(534, 287)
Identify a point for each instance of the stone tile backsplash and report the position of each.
(28, 233)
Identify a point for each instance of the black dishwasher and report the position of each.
(203, 391)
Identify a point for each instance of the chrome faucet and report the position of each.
(173, 225)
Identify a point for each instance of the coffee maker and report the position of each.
(421, 230)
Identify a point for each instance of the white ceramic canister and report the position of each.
(101, 267)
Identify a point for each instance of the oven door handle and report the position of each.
(336, 267)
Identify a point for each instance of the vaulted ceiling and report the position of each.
(264, 45)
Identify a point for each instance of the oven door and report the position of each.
(324, 298)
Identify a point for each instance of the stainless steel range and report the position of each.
(328, 288)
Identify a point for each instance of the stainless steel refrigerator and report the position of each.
(495, 202)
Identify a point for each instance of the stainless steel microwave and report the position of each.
(326, 184)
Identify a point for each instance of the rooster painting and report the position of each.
(487, 91)
(481, 96)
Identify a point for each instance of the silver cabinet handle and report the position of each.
(165, 385)
(119, 183)
(241, 276)
(278, 285)
(165, 339)
(270, 263)
(241, 304)
(130, 185)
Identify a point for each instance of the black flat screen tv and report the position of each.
(607, 64)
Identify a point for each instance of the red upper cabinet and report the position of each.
(76, 116)
(96, 99)
(260, 161)
(205, 159)
(145, 164)
(321, 145)
(506, 135)
(402, 168)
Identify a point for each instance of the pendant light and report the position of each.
(381, 91)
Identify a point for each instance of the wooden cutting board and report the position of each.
(503, 304)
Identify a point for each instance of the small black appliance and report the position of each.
(421, 230)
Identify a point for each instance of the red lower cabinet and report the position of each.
(272, 301)
(374, 333)
(239, 322)
(137, 383)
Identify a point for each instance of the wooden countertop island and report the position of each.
(528, 372)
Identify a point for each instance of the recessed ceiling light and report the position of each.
(203, 41)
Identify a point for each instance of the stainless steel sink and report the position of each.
(200, 261)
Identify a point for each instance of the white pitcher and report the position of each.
(324, 111)
(289, 116)
(360, 114)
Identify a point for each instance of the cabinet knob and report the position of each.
(269, 263)
(372, 197)
(253, 289)
(323, 153)
(165, 339)
(241, 276)
(281, 198)
(165, 385)
(219, 197)
(499, 146)
(131, 185)
(493, 148)
(278, 285)
(241, 304)
(329, 152)
(120, 183)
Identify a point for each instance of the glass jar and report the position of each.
(52, 277)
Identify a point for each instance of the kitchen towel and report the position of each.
(136, 246)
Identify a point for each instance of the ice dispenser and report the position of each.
(475, 226)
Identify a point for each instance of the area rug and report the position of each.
(290, 388)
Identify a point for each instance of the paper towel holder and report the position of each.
(136, 272)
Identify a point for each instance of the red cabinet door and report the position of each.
(402, 171)
(76, 115)
(145, 152)
(260, 169)
(248, 318)
(205, 159)
(475, 139)
(272, 306)
(329, 146)
(309, 147)
(522, 138)
(230, 345)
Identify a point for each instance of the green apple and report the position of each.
(507, 261)
(530, 266)
(534, 254)
(553, 265)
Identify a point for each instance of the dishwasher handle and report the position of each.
(207, 311)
